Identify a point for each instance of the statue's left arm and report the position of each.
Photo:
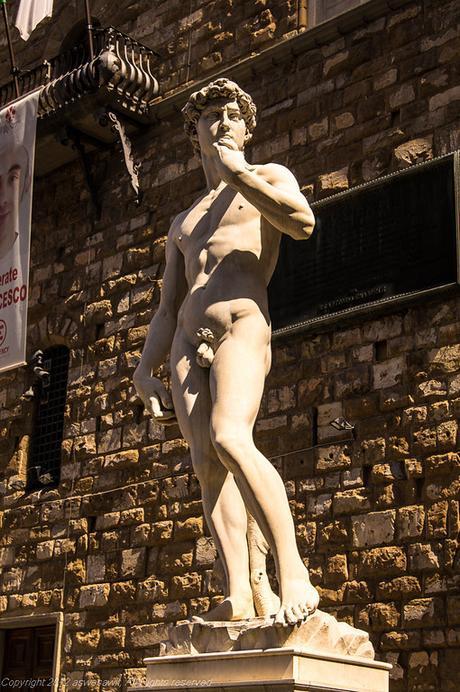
(272, 189)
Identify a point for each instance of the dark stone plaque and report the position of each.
(392, 237)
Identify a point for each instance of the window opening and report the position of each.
(45, 457)
(322, 10)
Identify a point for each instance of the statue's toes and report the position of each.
(280, 618)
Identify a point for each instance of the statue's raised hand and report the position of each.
(230, 161)
(156, 398)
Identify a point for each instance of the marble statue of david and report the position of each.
(213, 319)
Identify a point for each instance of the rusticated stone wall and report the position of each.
(120, 545)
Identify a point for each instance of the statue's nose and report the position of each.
(224, 122)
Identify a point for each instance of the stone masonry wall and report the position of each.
(192, 37)
(120, 546)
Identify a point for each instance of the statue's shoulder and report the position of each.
(175, 229)
(176, 222)
(275, 173)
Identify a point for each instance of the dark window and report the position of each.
(322, 10)
(387, 240)
(28, 656)
(51, 390)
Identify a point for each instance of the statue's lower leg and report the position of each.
(226, 517)
(266, 602)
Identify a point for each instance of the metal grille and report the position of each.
(389, 239)
(45, 458)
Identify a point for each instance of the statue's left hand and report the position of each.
(230, 162)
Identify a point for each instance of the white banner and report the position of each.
(31, 13)
(18, 124)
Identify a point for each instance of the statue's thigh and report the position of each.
(237, 375)
(190, 392)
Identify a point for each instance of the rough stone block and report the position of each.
(414, 151)
(383, 616)
(389, 373)
(133, 562)
(437, 520)
(410, 522)
(142, 636)
(398, 588)
(443, 464)
(423, 612)
(333, 457)
(186, 586)
(319, 505)
(336, 181)
(151, 589)
(336, 569)
(422, 557)
(86, 642)
(374, 450)
(95, 568)
(382, 562)
(205, 553)
(446, 434)
(189, 528)
(375, 528)
(350, 501)
(94, 596)
(453, 610)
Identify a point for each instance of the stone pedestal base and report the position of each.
(271, 670)
(320, 633)
(320, 655)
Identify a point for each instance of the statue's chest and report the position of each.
(210, 223)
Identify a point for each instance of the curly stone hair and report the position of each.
(221, 88)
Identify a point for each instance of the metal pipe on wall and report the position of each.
(14, 69)
(90, 27)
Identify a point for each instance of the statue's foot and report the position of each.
(266, 602)
(239, 608)
(299, 599)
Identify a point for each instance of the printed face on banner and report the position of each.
(13, 177)
(17, 144)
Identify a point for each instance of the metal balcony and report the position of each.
(81, 96)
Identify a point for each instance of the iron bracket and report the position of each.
(131, 166)
(76, 139)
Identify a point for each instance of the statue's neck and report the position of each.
(213, 178)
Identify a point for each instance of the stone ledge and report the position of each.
(284, 670)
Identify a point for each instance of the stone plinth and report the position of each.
(250, 655)
(272, 670)
(320, 633)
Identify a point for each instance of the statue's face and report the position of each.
(221, 122)
(11, 175)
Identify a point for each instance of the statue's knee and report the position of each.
(229, 446)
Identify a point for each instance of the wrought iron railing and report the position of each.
(121, 65)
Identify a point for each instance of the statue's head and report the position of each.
(220, 89)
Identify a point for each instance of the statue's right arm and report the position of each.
(162, 327)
